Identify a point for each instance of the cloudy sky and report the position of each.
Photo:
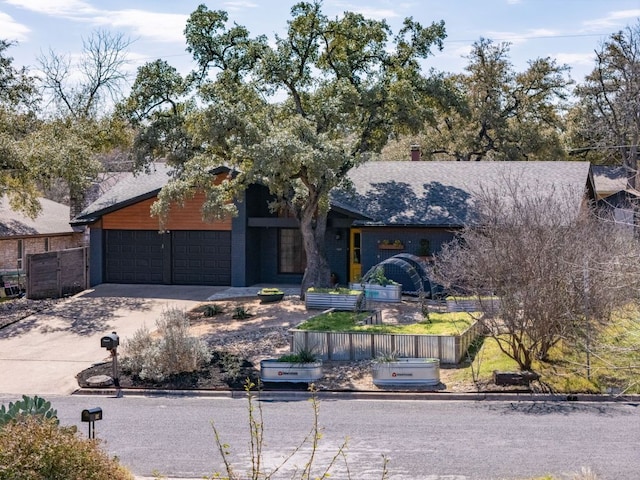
(567, 30)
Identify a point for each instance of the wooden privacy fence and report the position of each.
(57, 274)
(351, 346)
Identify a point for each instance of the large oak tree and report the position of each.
(294, 114)
(18, 120)
(493, 112)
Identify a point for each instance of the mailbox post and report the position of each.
(90, 415)
(111, 342)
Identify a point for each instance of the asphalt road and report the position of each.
(452, 440)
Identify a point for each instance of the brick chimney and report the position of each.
(415, 153)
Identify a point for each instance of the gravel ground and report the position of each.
(14, 310)
(264, 334)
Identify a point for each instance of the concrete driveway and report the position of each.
(41, 354)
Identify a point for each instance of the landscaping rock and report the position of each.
(99, 381)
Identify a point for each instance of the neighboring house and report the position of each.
(614, 195)
(393, 207)
(21, 235)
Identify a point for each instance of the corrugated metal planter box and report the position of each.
(380, 293)
(488, 304)
(272, 370)
(351, 346)
(407, 371)
(337, 301)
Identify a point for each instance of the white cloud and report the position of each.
(376, 13)
(369, 12)
(520, 37)
(574, 59)
(234, 6)
(159, 27)
(56, 8)
(615, 19)
(12, 30)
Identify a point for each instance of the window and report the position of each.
(46, 244)
(20, 252)
(291, 256)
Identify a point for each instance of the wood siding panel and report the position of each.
(138, 217)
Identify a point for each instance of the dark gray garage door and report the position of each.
(178, 257)
(201, 258)
(133, 256)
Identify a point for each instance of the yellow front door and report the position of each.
(355, 258)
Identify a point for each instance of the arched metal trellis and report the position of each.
(416, 268)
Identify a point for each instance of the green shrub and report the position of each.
(37, 449)
(241, 313)
(231, 365)
(301, 356)
(336, 291)
(438, 324)
(212, 310)
(378, 277)
(173, 351)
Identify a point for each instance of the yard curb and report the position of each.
(284, 395)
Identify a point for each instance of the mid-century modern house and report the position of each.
(393, 207)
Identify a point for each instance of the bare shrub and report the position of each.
(172, 350)
(560, 272)
(312, 468)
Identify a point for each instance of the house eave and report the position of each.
(98, 214)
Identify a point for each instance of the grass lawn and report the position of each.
(438, 324)
(487, 357)
(615, 362)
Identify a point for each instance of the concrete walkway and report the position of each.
(41, 354)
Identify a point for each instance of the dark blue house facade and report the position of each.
(390, 208)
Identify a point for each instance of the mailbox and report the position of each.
(91, 414)
(110, 342)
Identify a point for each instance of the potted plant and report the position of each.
(424, 250)
(393, 370)
(269, 295)
(301, 366)
(389, 245)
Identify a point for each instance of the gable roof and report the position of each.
(393, 193)
(53, 219)
(131, 188)
(441, 193)
(610, 179)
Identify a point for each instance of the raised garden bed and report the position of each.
(359, 344)
(274, 370)
(338, 299)
(406, 371)
(472, 304)
(391, 293)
